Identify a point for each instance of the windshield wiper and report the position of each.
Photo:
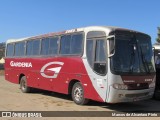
(144, 61)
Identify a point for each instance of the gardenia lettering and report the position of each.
(20, 64)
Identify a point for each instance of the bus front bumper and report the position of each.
(117, 96)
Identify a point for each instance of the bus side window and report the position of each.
(71, 44)
(10, 50)
(100, 57)
(65, 44)
(19, 49)
(36, 47)
(76, 44)
(90, 52)
(53, 46)
(45, 46)
(29, 48)
(33, 47)
(96, 55)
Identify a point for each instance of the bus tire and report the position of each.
(23, 85)
(78, 94)
(157, 95)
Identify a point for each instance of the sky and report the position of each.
(24, 18)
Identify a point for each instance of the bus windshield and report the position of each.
(133, 54)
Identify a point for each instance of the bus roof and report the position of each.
(90, 28)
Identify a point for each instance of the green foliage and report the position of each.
(158, 38)
(2, 50)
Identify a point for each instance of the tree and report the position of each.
(158, 39)
(2, 50)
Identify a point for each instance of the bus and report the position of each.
(156, 48)
(100, 63)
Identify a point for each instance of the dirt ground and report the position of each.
(12, 99)
(1, 72)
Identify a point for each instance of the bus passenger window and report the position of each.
(45, 46)
(76, 44)
(29, 48)
(10, 50)
(65, 44)
(90, 52)
(71, 44)
(36, 47)
(19, 49)
(33, 47)
(53, 46)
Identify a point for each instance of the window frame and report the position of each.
(31, 55)
(95, 53)
(40, 46)
(39, 40)
(7, 50)
(75, 33)
(95, 39)
(24, 54)
(48, 55)
(61, 44)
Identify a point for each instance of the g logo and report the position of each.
(56, 70)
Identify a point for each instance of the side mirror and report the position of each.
(111, 50)
(153, 51)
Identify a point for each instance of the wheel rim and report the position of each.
(23, 84)
(78, 94)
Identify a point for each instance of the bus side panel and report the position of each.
(71, 69)
(10, 72)
(33, 72)
(14, 68)
(35, 78)
(74, 69)
(89, 91)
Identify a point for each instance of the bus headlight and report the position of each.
(152, 85)
(120, 86)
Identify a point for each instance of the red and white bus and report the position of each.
(106, 64)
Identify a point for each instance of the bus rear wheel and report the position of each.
(23, 85)
(78, 94)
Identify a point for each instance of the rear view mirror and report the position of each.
(153, 51)
(111, 51)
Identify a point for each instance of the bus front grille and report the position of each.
(137, 95)
(138, 86)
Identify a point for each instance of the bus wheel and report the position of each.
(157, 95)
(23, 85)
(78, 94)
